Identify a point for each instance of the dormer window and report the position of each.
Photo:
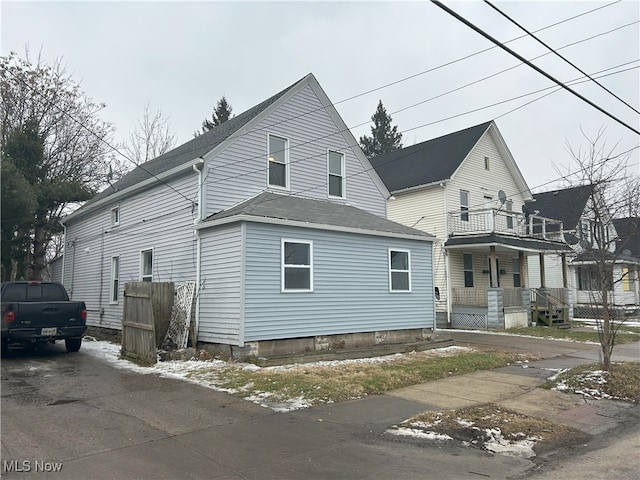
(278, 162)
(115, 216)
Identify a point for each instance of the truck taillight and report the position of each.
(83, 314)
(9, 316)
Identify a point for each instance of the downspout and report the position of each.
(198, 168)
(447, 278)
(64, 242)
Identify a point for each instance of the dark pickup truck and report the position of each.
(35, 312)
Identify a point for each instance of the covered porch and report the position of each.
(487, 267)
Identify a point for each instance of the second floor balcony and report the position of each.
(495, 220)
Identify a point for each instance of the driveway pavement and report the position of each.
(99, 422)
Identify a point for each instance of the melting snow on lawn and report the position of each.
(494, 440)
(205, 372)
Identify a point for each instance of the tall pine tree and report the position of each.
(221, 113)
(384, 138)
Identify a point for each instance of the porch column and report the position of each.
(543, 282)
(494, 267)
(564, 271)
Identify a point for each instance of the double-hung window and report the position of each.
(464, 205)
(146, 265)
(399, 271)
(297, 266)
(335, 167)
(509, 205)
(115, 216)
(115, 279)
(515, 265)
(278, 162)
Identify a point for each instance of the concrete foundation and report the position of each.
(319, 344)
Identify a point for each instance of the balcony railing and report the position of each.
(492, 220)
(477, 296)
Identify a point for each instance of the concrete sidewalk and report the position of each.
(515, 386)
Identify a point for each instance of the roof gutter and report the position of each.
(316, 226)
(420, 187)
(145, 184)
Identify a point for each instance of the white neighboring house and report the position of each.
(573, 206)
(278, 218)
(466, 189)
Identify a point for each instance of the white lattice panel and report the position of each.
(468, 320)
(178, 333)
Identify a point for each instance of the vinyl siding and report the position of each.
(552, 271)
(221, 291)
(351, 286)
(424, 210)
(480, 264)
(472, 177)
(157, 219)
(240, 171)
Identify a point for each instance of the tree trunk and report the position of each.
(39, 250)
(606, 339)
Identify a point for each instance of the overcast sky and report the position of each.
(181, 57)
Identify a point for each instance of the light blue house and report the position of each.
(278, 218)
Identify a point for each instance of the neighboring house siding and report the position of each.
(351, 286)
(479, 182)
(424, 209)
(240, 171)
(221, 285)
(552, 271)
(157, 219)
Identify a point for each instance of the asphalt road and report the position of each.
(89, 420)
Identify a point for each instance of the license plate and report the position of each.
(49, 331)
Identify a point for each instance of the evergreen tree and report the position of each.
(221, 113)
(384, 138)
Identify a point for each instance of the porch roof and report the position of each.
(506, 241)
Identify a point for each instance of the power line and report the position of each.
(100, 138)
(557, 54)
(366, 170)
(536, 68)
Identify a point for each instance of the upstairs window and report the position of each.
(509, 206)
(297, 266)
(146, 265)
(464, 205)
(115, 216)
(399, 271)
(336, 178)
(486, 163)
(278, 162)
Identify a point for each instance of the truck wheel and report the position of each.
(73, 344)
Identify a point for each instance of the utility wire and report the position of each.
(557, 54)
(99, 137)
(522, 59)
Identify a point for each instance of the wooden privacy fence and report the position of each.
(145, 319)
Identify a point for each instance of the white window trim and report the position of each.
(408, 252)
(462, 210)
(287, 164)
(343, 174)
(115, 291)
(153, 259)
(283, 265)
(115, 211)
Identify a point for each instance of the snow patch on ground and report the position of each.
(418, 433)
(205, 373)
(515, 448)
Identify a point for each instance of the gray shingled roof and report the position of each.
(299, 209)
(190, 150)
(516, 242)
(565, 205)
(628, 230)
(427, 162)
